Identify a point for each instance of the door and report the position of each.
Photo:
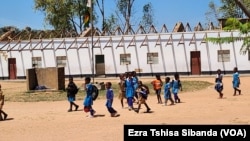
(100, 65)
(195, 63)
(12, 68)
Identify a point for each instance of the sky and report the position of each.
(21, 13)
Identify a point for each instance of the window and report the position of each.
(152, 58)
(61, 61)
(125, 59)
(36, 62)
(223, 55)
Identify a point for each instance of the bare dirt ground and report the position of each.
(50, 121)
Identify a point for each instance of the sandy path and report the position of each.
(50, 121)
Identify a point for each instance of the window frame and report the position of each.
(125, 59)
(223, 55)
(152, 58)
(61, 61)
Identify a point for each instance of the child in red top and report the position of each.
(157, 84)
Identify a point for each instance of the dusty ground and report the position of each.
(50, 121)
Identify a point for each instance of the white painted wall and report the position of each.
(171, 48)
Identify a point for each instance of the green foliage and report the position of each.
(223, 40)
(232, 24)
(110, 24)
(125, 9)
(245, 28)
(230, 9)
(147, 18)
(65, 15)
(235, 24)
(245, 46)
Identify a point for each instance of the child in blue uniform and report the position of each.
(88, 101)
(167, 92)
(110, 97)
(135, 82)
(218, 83)
(130, 91)
(236, 81)
(176, 85)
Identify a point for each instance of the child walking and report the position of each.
(135, 82)
(88, 101)
(218, 83)
(121, 84)
(110, 97)
(157, 84)
(236, 81)
(5, 115)
(167, 92)
(130, 91)
(71, 94)
(142, 92)
(175, 87)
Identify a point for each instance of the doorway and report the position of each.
(12, 68)
(100, 64)
(195, 63)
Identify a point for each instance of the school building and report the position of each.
(186, 52)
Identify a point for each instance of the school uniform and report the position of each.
(218, 83)
(167, 93)
(130, 92)
(175, 90)
(109, 102)
(88, 101)
(236, 82)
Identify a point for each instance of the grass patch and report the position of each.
(36, 96)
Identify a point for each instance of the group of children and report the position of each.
(170, 87)
(235, 82)
(88, 100)
(132, 89)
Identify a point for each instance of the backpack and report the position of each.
(76, 90)
(95, 92)
(72, 88)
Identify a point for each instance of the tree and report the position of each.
(233, 23)
(243, 7)
(212, 15)
(64, 15)
(101, 8)
(230, 9)
(111, 23)
(244, 30)
(147, 18)
(125, 8)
